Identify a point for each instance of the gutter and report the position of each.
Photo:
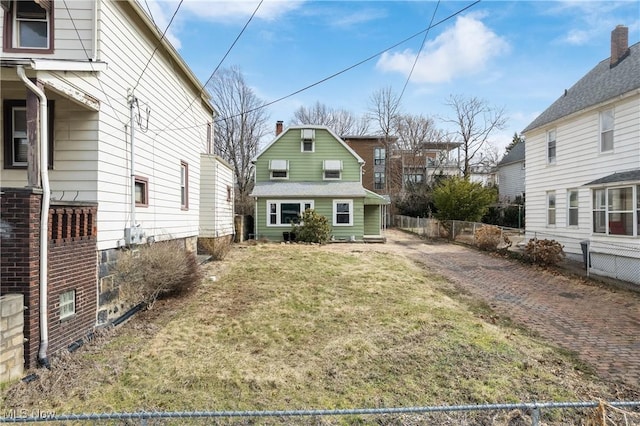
(44, 218)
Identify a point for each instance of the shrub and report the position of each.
(488, 237)
(456, 198)
(544, 252)
(158, 270)
(217, 248)
(314, 229)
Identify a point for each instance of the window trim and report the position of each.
(601, 130)
(552, 145)
(379, 155)
(304, 204)
(327, 166)
(63, 311)
(184, 185)
(144, 182)
(10, 29)
(7, 113)
(570, 208)
(378, 185)
(273, 168)
(551, 195)
(335, 212)
(604, 208)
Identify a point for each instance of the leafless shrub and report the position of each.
(161, 269)
(488, 237)
(217, 248)
(544, 252)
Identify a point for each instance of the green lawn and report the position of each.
(306, 327)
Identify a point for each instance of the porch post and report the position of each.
(33, 136)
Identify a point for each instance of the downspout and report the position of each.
(44, 217)
(132, 101)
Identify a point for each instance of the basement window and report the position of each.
(67, 304)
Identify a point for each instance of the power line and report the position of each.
(424, 40)
(218, 66)
(157, 46)
(426, 30)
(355, 65)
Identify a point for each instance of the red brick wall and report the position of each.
(72, 264)
(20, 259)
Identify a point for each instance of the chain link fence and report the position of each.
(617, 260)
(595, 413)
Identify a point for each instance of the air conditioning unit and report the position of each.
(133, 236)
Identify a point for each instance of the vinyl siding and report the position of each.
(216, 211)
(372, 220)
(578, 161)
(511, 180)
(323, 207)
(73, 31)
(307, 166)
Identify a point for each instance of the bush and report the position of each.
(158, 270)
(456, 198)
(544, 252)
(314, 229)
(488, 237)
(217, 248)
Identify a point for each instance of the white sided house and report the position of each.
(583, 166)
(116, 153)
(511, 174)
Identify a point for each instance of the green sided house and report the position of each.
(311, 167)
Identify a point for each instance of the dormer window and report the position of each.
(279, 169)
(29, 25)
(332, 169)
(308, 137)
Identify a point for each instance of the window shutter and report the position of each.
(279, 165)
(333, 165)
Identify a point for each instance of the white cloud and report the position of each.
(464, 49)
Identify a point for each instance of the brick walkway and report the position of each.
(602, 325)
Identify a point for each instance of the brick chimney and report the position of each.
(619, 44)
(278, 127)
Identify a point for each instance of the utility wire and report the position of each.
(424, 40)
(218, 66)
(335, 74)
(355, 65)
(157, 46)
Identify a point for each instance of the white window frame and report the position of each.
(552, 146)
(18, 22)
(67, 304)
(184, 185)
(327, 171)
(606, 128)
(279, 170)
(336, 213)
(277, 211)
(573, 207)
(602, 204)
(551, 208)
(307, 136)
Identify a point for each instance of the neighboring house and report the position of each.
(311, 167)
(511, 174)
(483, 174)
(127, 124)
(372, 149)
(583, 165)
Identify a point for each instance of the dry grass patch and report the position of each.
(300, 327)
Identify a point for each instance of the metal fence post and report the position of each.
(535, 416)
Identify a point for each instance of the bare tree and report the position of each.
(241, 123)
(384, 110)
(341, 121)
(475, 121)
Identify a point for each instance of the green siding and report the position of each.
(324, 207)
(372, 220)
(307, 166)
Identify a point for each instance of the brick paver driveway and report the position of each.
(602, 325)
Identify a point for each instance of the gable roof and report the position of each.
(515, 154)
(309, 126)
(598, 85)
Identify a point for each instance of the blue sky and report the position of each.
(516, 55)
